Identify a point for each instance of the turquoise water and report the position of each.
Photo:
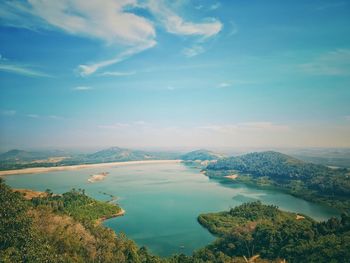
(162, 201)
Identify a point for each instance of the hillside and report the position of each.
(273, 164)
(21, 156)
(61, 228)
(310, 181)
(200, 155)
(116, 154)
(255, 230)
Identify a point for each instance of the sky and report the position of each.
(180, 73)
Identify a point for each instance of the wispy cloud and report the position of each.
(34, 116)
(215, 6)
(82, 88)
(117, 73)
(114, 126)
(333, 63)
(193, 51)
(55, 117)
(15, 68)
(123, 125)
(8, 112)
(88, 69)
(224, 85)
(233, 29)
(245, 126)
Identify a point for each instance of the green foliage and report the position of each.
(19, 242)
(311, 181)
(77, 204)
(255, 228)
(43, 232)
(202, 155)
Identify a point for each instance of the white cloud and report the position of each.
(334, 63)
(111, 22)
(108, 22)
(34, 116)
(176, 25)
(193, 51)
(8, 112)
(224, 85)
(117, 73)
(215, 6)
(82, 88)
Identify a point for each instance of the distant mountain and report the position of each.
(116, 154)
(201, 155)
(21, 156)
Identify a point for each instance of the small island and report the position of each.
(97, 177)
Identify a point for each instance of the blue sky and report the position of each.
(152, 73)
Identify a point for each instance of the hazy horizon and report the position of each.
(174, 74)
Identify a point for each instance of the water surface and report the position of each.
(162, 201)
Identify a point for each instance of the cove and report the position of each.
(162, 201)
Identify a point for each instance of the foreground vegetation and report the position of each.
(255, 229)
(61, 229)
(309, 181)
(64, 228)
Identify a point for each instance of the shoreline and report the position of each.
(34, 170)
(104, 218)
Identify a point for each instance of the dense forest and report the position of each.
(201, 155)
(257, 230)
(310, 181)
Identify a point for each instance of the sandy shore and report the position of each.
(232, 176)
(35, 170)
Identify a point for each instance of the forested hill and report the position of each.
(273, 164)
(310, 181)
(262, 231)
(201, 155)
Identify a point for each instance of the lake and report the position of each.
(162, 201)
